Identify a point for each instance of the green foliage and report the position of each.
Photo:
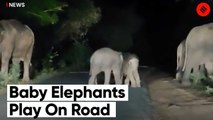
(81, 15)
(197, 77)
(48, 67)
(47, 62)
(77, 58)
(209, 90)
(45, 12)
(200, 81)
(11, 77)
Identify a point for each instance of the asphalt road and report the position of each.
(137, 108)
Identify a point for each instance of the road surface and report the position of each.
(137, 108)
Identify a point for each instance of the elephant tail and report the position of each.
(91, 61)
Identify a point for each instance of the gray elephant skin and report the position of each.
(120, 65)
(181, 51)
(106, 60)
(199, 50)
(16, 42)
(130, 70)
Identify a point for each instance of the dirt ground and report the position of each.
(173, 102)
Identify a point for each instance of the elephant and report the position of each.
(199, 48)
(16, 42)
(180, 59)
(130, 70)
(106, 60)
(121, 65)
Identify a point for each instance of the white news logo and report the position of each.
(15, 4)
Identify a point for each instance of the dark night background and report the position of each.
(150, 28)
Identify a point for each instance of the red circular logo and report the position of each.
(203, 9)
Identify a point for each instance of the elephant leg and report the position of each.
(137, 78)
(96, 80)
(16, 62)
(107, 74)
(26, 70)
(132, 80)
(27, 62)
(117, 76)
(93, 77)
(5, 63)
(126, 81)
(177, 76)
(186, 77)
(122, 77)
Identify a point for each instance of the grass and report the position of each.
(11, 77)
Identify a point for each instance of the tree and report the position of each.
(118, 29)
(44, 12)
(81, 15)
(68, 20)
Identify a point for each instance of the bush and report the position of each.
(209, 90)
(80, 16)
(77, 58)
(48, 67)
(47, 62)
(12, 76)
(201, 81)
(197, 79)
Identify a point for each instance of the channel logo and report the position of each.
(15, 5)
(203, 9)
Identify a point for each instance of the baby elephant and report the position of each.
(130, 70)
(106, 60)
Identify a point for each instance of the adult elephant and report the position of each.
(16, 42)
(199, 49)
(181, 51)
